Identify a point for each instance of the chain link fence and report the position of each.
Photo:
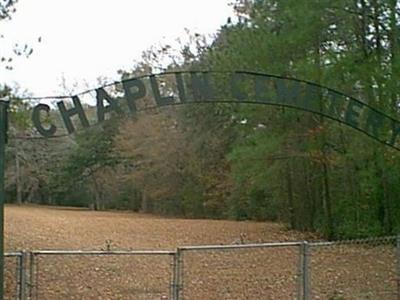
(253, 271)
(101, 274)
(343, 270)
(14, 275)
(357, 269)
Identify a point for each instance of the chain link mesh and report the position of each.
(11, 276)
(358, 269)
(342, 270)
(102, 277)
(249, 273)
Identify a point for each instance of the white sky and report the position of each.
(86, 39)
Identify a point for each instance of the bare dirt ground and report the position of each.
(358, 272)
(39, 227)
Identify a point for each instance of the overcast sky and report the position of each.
(82, 40)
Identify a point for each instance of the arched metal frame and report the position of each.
(206, 87)
(184, 87)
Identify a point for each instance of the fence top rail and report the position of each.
(240, 246)
(103, 252)
(376, 240)
(322, 243)
(11, 254)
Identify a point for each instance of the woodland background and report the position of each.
(244, 162)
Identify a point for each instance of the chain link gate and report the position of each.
(14, 278)
(101, 274)
(354, 269)
(240, 271)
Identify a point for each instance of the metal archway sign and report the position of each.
(176, 88)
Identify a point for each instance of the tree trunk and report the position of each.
(393, 50)
(383, 198)
(97, 200)
(311, 197)
(387, 220)
(378, 42)
(289, 186)
(18, 178)
(327, 202)
(145, 204)
(364, 28)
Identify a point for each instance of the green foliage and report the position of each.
(83, 169)
(7, 8)
(258, 162)
(297, 167)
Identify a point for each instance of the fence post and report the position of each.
(174, 279)
(31, 274)
(3, 140)
(176, 286)
(22, 276)
(19, 276)
(305, 272)
(300, 273)
(398, 265)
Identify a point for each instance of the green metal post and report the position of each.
(398, 265)
(3, 138)
(176, 290)
(305, 271)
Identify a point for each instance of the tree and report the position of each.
(347, 45)
(86, 169)
(7, 8)
(247, 161)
